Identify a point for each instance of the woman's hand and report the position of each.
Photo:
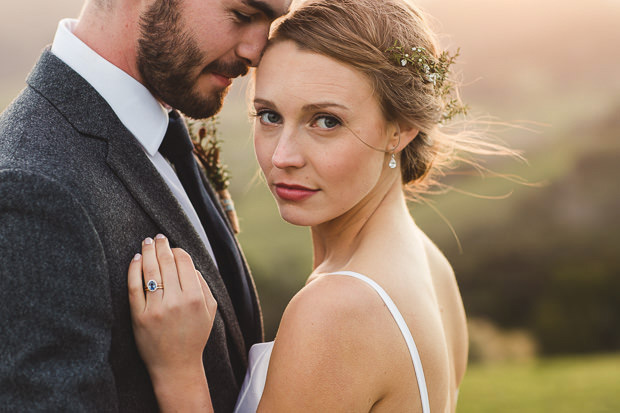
(172, 322)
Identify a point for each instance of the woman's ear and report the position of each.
(402, 135)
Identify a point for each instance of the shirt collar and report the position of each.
(134, 105)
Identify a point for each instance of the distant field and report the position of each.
(588, 384)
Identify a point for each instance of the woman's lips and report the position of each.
(294, 192)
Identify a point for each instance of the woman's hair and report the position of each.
(360, 33)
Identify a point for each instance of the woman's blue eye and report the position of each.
(327, 122)
(269, 118)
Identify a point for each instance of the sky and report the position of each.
(526, 59)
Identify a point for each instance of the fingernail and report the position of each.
(148, 241)
(159, 236)
(137, 257)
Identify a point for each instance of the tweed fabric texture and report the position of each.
(77, 196)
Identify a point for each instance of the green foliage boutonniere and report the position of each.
(207, 148)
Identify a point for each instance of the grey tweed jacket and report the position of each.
(77, 196)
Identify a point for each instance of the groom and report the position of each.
(83, 182)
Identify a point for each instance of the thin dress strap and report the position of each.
(413, 350)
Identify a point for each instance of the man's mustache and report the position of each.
(228, 69)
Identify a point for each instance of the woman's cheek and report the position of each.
(263, 153)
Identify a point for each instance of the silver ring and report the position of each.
(153, 286)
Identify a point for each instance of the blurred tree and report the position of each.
(553, 268)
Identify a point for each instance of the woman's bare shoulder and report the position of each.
(328, 341)
(333, 308)
(437, 260)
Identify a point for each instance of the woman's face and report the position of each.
(309, 109)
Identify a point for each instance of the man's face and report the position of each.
(189, 50)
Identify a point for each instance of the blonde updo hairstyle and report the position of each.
(358, 33)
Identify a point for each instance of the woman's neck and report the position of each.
(336, 242)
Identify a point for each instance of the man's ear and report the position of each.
(406, 133)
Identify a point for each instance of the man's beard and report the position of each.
(168, 58)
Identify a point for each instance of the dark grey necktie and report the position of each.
(177, 147)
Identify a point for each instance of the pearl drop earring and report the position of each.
(392, 163)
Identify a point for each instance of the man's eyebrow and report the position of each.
(264, 7)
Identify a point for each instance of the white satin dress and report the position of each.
(260, 354)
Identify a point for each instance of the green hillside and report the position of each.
(567, 385)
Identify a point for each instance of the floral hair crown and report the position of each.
(432, 70)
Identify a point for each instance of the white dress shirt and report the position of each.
(134, 105)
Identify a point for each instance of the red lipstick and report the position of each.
(289, 192)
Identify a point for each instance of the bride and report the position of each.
(348, 100)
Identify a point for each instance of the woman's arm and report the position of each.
(172, 324)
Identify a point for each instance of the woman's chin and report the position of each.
(296, 221)
(301, 220)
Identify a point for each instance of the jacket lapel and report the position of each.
(92, 116)
(142, 180)
(253, 332)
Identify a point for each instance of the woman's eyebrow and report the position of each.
(263, 102)
(310, 107)
(323, 105)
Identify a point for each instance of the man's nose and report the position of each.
(253, 43)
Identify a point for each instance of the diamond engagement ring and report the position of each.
(153, 286)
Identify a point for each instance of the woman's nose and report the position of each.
(288, 153)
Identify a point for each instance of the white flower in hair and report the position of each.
(434, 70)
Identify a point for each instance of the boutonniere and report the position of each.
(207, 148)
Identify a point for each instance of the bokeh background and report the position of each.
(539, 269)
